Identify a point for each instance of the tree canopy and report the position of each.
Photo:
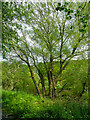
(45, 33)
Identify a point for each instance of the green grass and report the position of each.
(23, 105)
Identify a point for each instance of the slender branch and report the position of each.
(44, 61)
(20, 56)
(62, 88)
(74, 49)
(84, 5)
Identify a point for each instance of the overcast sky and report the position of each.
(46, 0)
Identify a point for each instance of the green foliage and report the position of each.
(22, 105)
(75, 74)
(16, 76)
(53, 40)
(77, 110)
(79, 14)
(12, 14)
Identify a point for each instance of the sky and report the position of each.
(46, 0)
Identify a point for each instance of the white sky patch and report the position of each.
(45, 0)
(1, 57)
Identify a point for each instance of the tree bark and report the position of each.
(52, 78)
(50, 84)
(54, 90)
(48, 76)
(41, 76)
(42, 82)
(83, 90)
(32, 75)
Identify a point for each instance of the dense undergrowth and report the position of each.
(23, 105)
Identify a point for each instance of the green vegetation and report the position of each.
(16, 76)
(45, 74)
(23, 105)
(72, 83)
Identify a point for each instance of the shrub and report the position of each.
(23, 105)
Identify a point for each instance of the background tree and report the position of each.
(14, 77)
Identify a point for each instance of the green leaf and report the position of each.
(75, 15)
(78, 12)
(66, 3)
(82, 30)
(61, 8)
(32, 11)
(69, 17)
(59, 4)
(85, 26)
(81, 19)
(71, 27)
(57, 8)
(71, 11)
(79, 6)
(66, 10)
(86, 17)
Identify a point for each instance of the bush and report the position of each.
(23, 105)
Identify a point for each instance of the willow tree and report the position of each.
(52, 32)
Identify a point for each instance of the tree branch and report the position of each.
(20, 56)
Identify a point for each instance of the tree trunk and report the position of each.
(54, 88)
(41, 77)
(52, 78)
(50, 88)
(83, 90)
(43, 89)
(43, 85)
(42, 81)
(32, 75)
(50, 84)
(49, 78)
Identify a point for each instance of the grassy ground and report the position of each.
(23, 105)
